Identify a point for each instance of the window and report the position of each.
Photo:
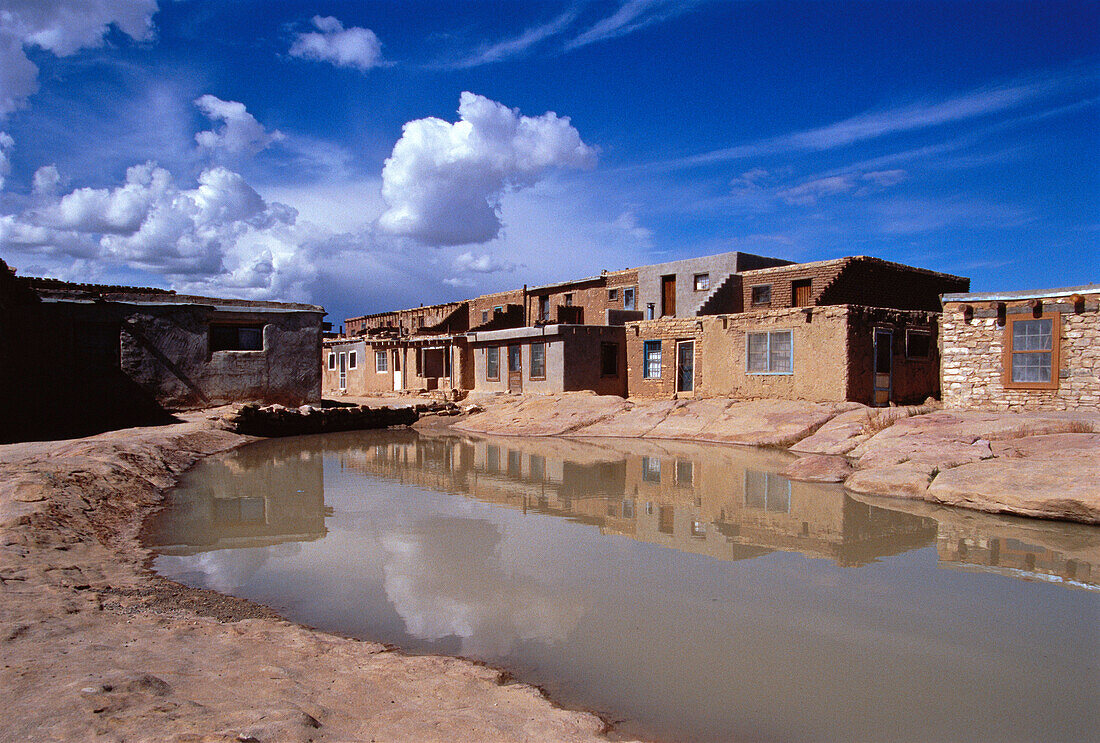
(918, 344)
(331, 361)
(420, 321)
(767, 491)
(498, 310)
(628, 298)
(380, 365)
(492, 363)
(1031, 352)
(485, 315)
(352, 361)
(761, 295)
(568, 300)
(612, 295)
(651, 469)
(609, 359)
(538, 361)
(685, 472)
(651, 360)
(702, 282)
(544, 308)
(770, 353)
(236, 338)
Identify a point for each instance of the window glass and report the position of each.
(236, 338)
(762, 294)
(485, 315)
(651, 368)
(380, 361)
(1032, 335)
(1032, 351)
(651, 469)
(918, 344)
(352, 362)
(568, 300)
(628, 298)
(538, 360)
(612, 295)
(332, 361)
(702, 281)
(515, 363)
(769, 353)
(492, 363)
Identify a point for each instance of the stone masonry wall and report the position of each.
(972, 368)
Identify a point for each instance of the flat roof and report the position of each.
(1065, 291)
(847, 259)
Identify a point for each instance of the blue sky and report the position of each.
(367, 156)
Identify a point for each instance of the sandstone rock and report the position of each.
(771, 422)
(839, 436)
(818, 468)
(636, 419)
(689, 420)
(896, 481)
(544, 415)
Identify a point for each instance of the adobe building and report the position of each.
(607, 299)
(83, 358)
(682, 288)
(1025, 350)
(808, 331)
(549, 359)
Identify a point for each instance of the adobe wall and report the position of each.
(487, 302)
(669, 331)
(819, 341)
(688, 301)
(972, 366)
(820, 274)
(407, 319)
(583, 353)
(914, 379)
(555, 354)
(364, 379)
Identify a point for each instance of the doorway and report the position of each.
(685, 366)
(343, 372)
(397, 386)
(884, 367)
(668, 296)
(515, 369)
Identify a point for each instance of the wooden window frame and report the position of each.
(918, 331)
(752, 295)
(645, 359)
(613, 294)
(381, 361)
(531, 372)
(496, 362)
(1055, 351)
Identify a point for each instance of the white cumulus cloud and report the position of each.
(443, 182)
(46, 180)
(62, 27)
(239, 132)
(354, 47)
(6, 145)
(484, 263)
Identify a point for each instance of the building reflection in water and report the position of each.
(724, 502)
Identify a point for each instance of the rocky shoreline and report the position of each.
(96, 647)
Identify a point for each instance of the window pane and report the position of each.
(1032, 335)
(492, 370)
(652, 368)
(780, 352)
(1031, 367)
(756, 488)
(758, 352)
(380, 361)
(538, 359)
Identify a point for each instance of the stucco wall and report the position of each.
(973, 368)
(166, 351)
(553, 381)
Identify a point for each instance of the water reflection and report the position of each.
(665, 584)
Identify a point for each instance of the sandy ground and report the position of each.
(94, 647)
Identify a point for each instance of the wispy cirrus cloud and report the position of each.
(863, 127)
(631, 16)
(519, 45)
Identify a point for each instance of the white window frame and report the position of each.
(332, 361)
(769, 334)
(381, 361)
(701, 282)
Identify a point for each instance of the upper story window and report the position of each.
(769, 353)
(236, 337)
(612, 295)
(498, 310)
(544, 308)
(1031, 352)
(650, 311)
(702, 282)
(568, 300)
(628, 298)
(485, 315)
(761, 295)
(651, 360)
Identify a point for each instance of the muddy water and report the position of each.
(685, 592)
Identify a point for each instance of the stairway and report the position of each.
(720, 300)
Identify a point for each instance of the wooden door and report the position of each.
(801, 293)
(884, 367)
(397, 386)
(668, 296)
(515, 369)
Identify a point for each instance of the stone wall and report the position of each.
(972, 363)
(669, 331)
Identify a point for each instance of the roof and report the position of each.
(421, 308)
(842, 261)
(96, 293)
(1065, 291)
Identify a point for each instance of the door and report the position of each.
(397, 386)
(884, 367)
(801, 293)
(685, 366)
(343, 363)
(668, 296)
(515, 369)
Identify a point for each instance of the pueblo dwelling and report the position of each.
(81, 358)
(1025, 350)
(728, 325)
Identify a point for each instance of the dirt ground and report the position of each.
(94, 647)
